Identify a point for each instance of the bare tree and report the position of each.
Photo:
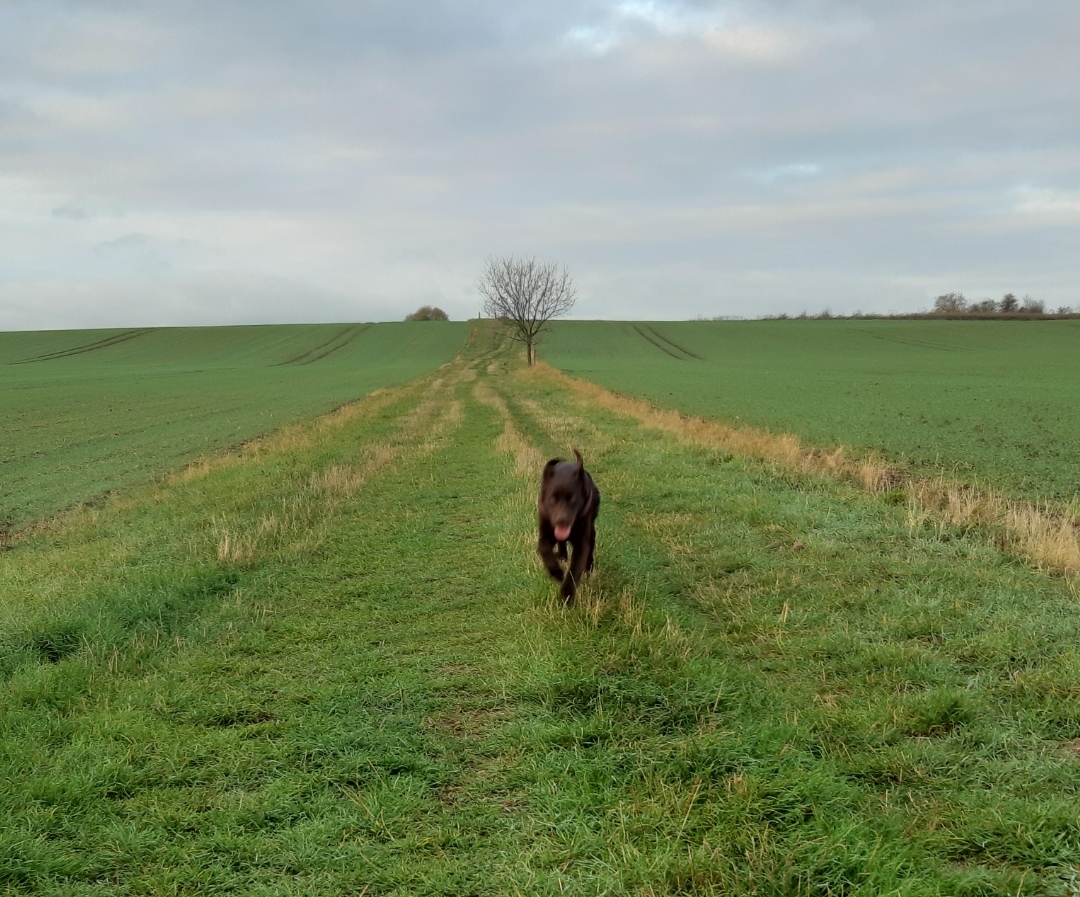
(950, 303)
(1033, 306)
(526, 294)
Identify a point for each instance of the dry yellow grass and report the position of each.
(305, 516)
(782, 448)
(1045, 536)
(527, 458)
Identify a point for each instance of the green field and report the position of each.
(330, 663)
(85, 412)
(991, 401)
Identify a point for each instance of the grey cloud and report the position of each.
(74, 213)
(128, 241)
(747, 155)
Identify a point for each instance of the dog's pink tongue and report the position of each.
(562, 533)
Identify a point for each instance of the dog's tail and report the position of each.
(580, 461)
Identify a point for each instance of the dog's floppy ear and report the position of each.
(549, 468)
(580, 463)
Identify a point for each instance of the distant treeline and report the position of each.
(954, 306)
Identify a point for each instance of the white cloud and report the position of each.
(791, 170)
(592, 39)
(1059, 208)
(96, 42)
(755, 43)
(666, 18)
(630, 19)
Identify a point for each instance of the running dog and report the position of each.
(568, 505)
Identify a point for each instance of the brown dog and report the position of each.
(568, 504)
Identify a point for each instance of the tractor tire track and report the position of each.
(671, 342)
(324, 350)
(106, 343)
(658, 345)
(912, 342)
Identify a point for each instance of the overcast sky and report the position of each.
(203, 162)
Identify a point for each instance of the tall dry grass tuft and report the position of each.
(1048, 537)
(1052, 540)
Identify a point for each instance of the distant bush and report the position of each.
(1033, 306)
(1008, 303)
(987, 306)
(428, 313)
(950, 303)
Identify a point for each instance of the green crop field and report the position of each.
(330, 663)
(84, 412)
(992, 401)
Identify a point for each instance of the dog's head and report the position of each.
(563, 495)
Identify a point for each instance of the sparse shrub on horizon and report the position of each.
(428, 313)
(950, 303)
(947, 304)
(1033, 306)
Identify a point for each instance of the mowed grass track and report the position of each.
(84, 412)
(330, 664)
(992, 401)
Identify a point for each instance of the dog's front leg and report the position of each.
(545, 547)
(590, 547)
(579, 541)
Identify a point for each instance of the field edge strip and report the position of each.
(278, 439)
(1048, 537)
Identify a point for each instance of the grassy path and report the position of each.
(330, 664)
